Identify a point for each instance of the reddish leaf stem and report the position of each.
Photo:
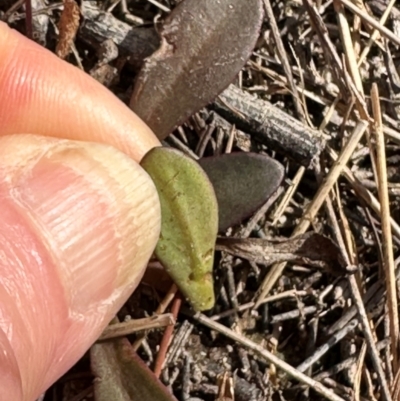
(28, 19)
(176, 305)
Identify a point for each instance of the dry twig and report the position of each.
(132, 326)
(388, 261)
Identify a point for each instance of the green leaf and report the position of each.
(122, 376)
(189, 223)
(243, 182)
(204, 45)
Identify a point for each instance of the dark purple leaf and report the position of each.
(204, 44)
(122, 376)
(243, 182)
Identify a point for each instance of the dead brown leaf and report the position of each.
(310, 248)
(68, 26)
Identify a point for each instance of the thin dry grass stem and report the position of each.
(370, 387)
(313, 208)
(249, 305)
(116, 3)
(204, 140)
(347, 42)
(359, 4)
(251, 225)
(302, 88)
(270, 357)
(181, 146)
(396, 386)
(329, 113)
(348, 240)
(375, 33)
(342, 232)
(359, 370)
(135, 325)
(357, 34)
(336, 229)
(87, 392)
(387, 354)
(343, 79)
(355, 287)
(160, 309)
(182, 134)
(346, 253)
(330, 52)
(231, 139)
(128, 16)
(349, 110)
(77, 58)
(12, 10)
(350, 58)
(362, 57)
(374, 354)
(375, 24)
(388, 260)
(327, 345)
(356, 295)
(284, 59)
(160, 6)
(167, 299)
(367, 196)
(288, 195)
(392, 134)
(351, 252)
(275, 76)
(345, 229)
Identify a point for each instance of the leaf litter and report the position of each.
(307, 308)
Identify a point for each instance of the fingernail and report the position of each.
(95, 209)
(81, 222)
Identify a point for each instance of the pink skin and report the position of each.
(40, 94)
(79, 220)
